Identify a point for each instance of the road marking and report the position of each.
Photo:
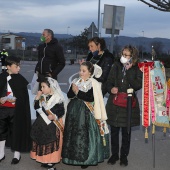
(26, 65)
(70, 79)
(65, 84)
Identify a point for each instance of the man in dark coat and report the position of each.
(15, 116)
(50, 56)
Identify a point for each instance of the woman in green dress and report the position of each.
(86, 134)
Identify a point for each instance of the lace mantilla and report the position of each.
(83, 85)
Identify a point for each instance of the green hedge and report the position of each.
(166, 62)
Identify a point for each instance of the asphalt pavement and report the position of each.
(141, 153)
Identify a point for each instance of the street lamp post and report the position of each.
(67, 40)
(98, 25)
(142, 45)
(153, 53)
(101, 24)
(67, 29)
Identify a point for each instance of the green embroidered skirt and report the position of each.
(82, 142)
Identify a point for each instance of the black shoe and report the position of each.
(2, 158)
(52, 169)
(47, 165)
(84, 166)
(15, 160)
(123, 161)
(112, 160)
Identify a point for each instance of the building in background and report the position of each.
(11, 41)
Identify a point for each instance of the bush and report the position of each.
(166, 62)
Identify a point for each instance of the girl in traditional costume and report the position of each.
(85, 140)
(47, 129)
(124, 74)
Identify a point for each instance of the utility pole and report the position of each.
(142, 45)
(101, 24)
(67, 29)
(98, 24)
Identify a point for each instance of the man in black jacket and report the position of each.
(50, 56)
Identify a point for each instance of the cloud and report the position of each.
(54, 16)
(35, 15)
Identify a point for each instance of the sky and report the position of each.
(72, 16)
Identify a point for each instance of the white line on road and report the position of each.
(70, 79)
(62, 84)
(30, 71)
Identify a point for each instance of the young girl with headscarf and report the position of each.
(47, 129)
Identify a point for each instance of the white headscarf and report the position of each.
(57, 96)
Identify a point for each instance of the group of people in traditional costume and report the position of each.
(81, 136)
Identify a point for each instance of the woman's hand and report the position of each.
(128, 66)
(81, 61)
(75, 88)
(114, 90)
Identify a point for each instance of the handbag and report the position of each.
(120, 99)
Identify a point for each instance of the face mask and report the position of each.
(95, 53)
(123, 60)
(42, 38)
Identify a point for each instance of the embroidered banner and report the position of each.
(159, 85)
(155, 96)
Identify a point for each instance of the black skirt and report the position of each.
(42, 133)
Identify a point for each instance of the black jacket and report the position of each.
(117, 116)
(50, 58)
(105, 62)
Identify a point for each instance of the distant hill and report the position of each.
(144, 41)
(33, 39)
(38, 35)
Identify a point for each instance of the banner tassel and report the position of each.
(153, 129)
(146, 133)
(164, 131)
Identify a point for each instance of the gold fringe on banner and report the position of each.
(164, 130)
(162, 124)
(146, 133)
(153, 129)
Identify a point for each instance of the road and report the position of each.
(140, 157)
